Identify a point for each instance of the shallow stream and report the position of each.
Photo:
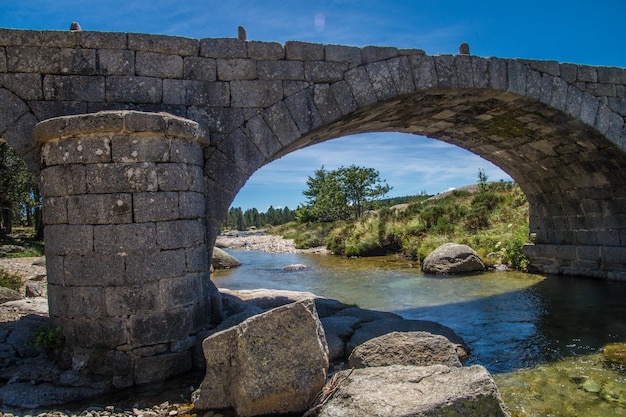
(539, 336)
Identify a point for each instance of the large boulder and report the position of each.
(397, 390)
(452, 258)
(223, 260)
(272, 363)
(7, 294)
(405, 348)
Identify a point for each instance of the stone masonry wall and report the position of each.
(125, 240)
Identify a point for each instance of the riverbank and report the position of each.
(263, 242)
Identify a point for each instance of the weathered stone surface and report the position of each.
(414, 391)
(381, 327)
(405, 348)
(223, 260)
(452, 258)
(7, 294)
(275, 362)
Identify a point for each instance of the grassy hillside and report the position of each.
(492, 218)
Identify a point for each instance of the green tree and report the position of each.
(19, 195)
(342, 194)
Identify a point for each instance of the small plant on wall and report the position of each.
(48, 339)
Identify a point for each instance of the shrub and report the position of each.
(9, 280)
(48, 339)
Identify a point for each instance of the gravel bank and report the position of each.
(265, 243)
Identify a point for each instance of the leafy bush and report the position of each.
(46, 338)
(9, 280)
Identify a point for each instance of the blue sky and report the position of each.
(581, 32)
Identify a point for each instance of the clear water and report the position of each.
(539, 336)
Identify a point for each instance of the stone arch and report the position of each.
(563, 145)
(16, 124)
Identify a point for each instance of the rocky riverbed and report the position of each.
(263, 242)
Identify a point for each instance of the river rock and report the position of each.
(397, 390)
(405, 348)
(7, 294)
(272, 363)
(223, 260)
(378, 328)
(452, 258)
(28, 395)
(294, 267)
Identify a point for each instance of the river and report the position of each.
(539, 336)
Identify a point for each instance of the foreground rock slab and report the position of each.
(414, 391)
(405, 348)
(273, 363)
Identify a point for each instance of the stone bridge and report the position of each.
(125, 192)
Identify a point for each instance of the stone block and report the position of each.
(586, 73)
(186, 151)
(324, 72)
(326, 103)
(533, 84)
(574, 101)
(73, 87)
(125, 238)
(55, 210)
(262, 136)
(381, 80)
(152, 266)
(424, 72)
(223, 48)
(25, 85)
(160, 368)
(121, 301)
(260, 51)
(180, 291)
(446, 73)
(100, 208)
(180, 234)
(229, 69)
(588, 109)
(37, 59)
(259, 93)
(568, 72)
(200, 68)
(78, 61)
(133, 89)
(160, 327)
(498, 74)
(62, 180)
(108, 40)
(480, 72)
(155, 206)
(303, 111)
(378, 53)
(611, 75)
(87, 333)
(360, 86)
(400, 71)
(3, 59)
(304, 51)
(64, 239)
(122, 177)
(463, 70)
(280, 70)
(85, 150)
(163, 44)
(547, 67)
(93, 269)
(197, 93)
(70, 301)
(343, 95)
(125, 148)
(197, 260)
(116, 62)
(191, 205)
(179, 177)
(155, 64)
(351, 55)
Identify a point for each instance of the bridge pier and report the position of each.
(126, 247)
(606, 262)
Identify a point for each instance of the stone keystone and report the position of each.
(273, 363)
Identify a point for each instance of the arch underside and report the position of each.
(574, 178)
